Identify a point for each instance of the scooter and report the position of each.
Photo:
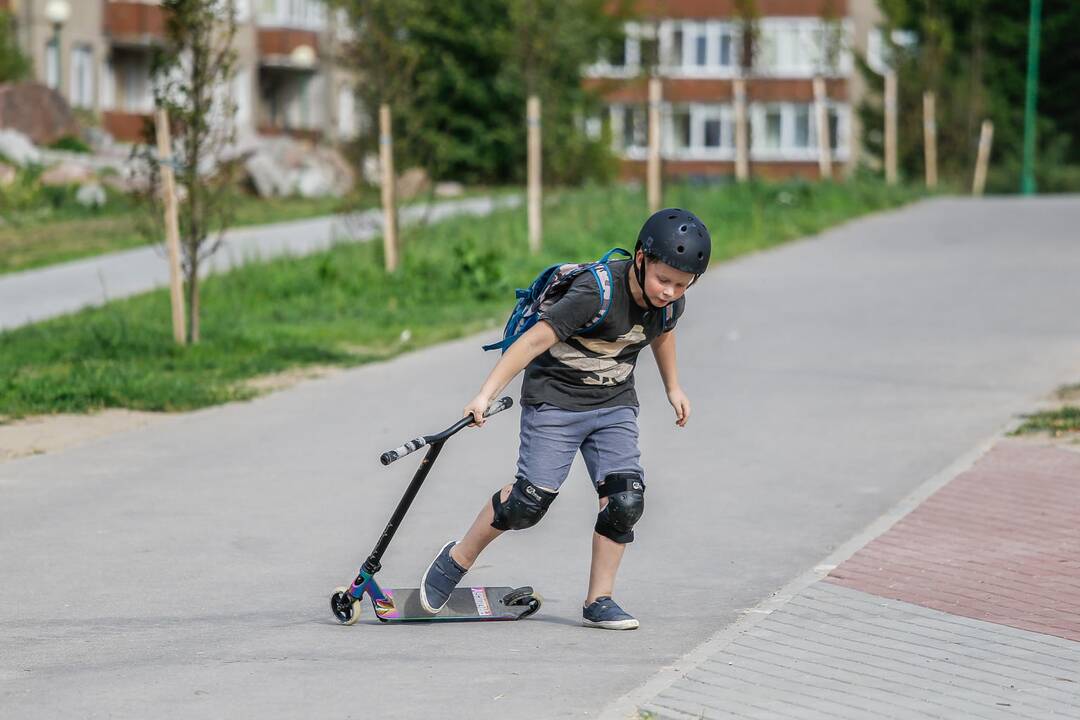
(403, 604)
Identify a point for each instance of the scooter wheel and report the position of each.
(517, 596)
(345, 607)
(523, 596)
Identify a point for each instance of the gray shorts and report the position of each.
(551, 437)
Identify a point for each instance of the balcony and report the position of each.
(125, 126)
(134, 23)
(729, 8)
(276, 46)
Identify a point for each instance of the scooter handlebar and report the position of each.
(415, 444)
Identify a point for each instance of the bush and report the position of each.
(71, 144)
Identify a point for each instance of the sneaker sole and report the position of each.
(631, 624)
(423, 584)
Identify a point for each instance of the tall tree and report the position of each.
(972, 54)
(459, 74)
(193, 73)
(14, 66)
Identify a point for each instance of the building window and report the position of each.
(82, 76)
(727, 44)
(773, 128)
(675, 54)
(702, 47)
(52, 64)
(681, 121)
(615, 54)
(629, 125)
(649, 52)
(802, 126)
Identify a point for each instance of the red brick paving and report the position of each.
(1000, 543)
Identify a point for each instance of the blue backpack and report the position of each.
(549, 286)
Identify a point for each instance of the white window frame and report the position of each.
(796, 46)
(81, 89)
(618, 113)
(693, 32)
(788, 151)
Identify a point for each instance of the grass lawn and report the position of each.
(339, 307)
(1062, 421)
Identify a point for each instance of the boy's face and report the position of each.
(663, 283)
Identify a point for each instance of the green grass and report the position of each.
(1056, 422)
(339, 308)
(1062, 421)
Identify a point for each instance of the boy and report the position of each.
(578, 394)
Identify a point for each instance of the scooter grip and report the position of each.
(412, 446)
(504, 403)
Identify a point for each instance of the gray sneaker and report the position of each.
(440, 579)
(605, 613)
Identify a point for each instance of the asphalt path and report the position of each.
(35, 295)
(183, 570)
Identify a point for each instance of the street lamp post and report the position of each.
(57, 12)
(1027, 177)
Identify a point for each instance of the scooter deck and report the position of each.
(465, 603)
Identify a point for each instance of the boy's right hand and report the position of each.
(477, 407)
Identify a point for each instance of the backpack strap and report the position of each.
(669, 317)
(614, 251)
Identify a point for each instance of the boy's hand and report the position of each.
(477, 407)
(681, 403)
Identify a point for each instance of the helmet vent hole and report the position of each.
(672, 217)
(700, 255)
(682, 228)
(680, 249)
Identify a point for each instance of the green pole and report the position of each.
(1027, 178)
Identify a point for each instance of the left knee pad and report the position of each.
(626, 502)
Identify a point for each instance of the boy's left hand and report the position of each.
(681, 403)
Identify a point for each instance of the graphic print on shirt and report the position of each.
(605, 369)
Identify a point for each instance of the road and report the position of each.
(183, 569)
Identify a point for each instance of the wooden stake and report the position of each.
(930, 138)
(172, 226)
(389, 191)
(986, 140)
(653, 175)
(822, 115)
(890, 127)
(742, 154)
(534, 174)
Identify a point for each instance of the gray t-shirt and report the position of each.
(595, 369)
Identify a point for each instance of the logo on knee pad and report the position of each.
(626, 502)
(523, 507)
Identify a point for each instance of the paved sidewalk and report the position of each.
(969, 606)
(35, 295)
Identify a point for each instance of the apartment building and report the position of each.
(696, 47)
(97, 54)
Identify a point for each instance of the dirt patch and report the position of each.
(49, 433)
(41, 434)
(1070, 394)
(287, 378)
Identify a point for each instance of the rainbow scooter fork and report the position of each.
(403, 604)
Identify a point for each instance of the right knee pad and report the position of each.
(523, 508)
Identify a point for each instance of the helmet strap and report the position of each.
(639, 272)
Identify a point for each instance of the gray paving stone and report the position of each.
(839, 653)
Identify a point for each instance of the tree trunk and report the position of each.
(193, 301)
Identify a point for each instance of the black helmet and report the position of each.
(677, 238)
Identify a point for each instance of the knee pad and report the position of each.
(626, 502)
(523, 508)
